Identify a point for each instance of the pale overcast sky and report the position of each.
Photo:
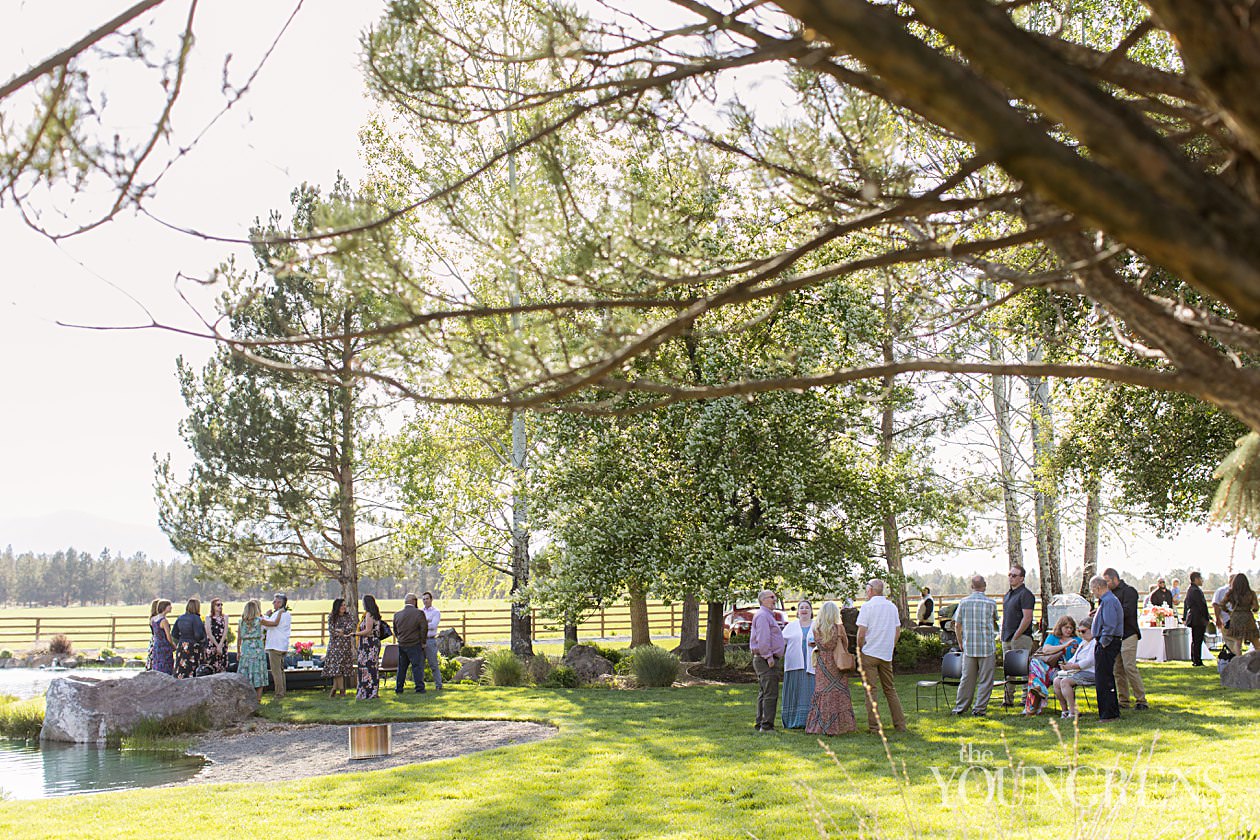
(85, 411)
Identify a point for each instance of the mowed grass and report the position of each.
(684, 762)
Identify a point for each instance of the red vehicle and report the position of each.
(737, 623)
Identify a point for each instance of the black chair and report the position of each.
(951, 674)
(1015, 667)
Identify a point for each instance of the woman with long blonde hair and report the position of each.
(251, 659)
(831, 708)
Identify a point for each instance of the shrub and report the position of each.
(741, 639)
(613, 655)
(540, 668)
(739, 659)
(504, 668)
(61, 644)
(470, 651)
(6, 654)
(561, 676)
(906, 653)
(21, 718)
(448, 667)
(931, 647)
(654, 667)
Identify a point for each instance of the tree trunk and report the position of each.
(689, 630)
(1045, 491)
(1006, 449)
(1093, 513)
(522, 630)
(715, 645)
(887, 437)
(570, 636)
(345, 469)
(639, 632)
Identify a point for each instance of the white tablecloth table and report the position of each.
(1151, 644)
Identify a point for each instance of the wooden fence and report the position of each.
(476, 626)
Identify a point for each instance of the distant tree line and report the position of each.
(78, 578)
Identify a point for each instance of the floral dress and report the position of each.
(369, 661)
(831, 707)
(216, 644)
(340, 661)
(161, 653)
(1041, 674)
(253, 660)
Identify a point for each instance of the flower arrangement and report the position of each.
(304, 649)
(1156, 616)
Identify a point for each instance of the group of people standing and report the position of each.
(191, 646)
(814, 658)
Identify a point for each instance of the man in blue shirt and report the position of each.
(1108, 629)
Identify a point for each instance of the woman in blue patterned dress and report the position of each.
(1043, 666)
(798, 677)
(161, 644)
(369, 634)
(251, 659)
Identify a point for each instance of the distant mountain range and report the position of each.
(85, 532)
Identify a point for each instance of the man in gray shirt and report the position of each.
(411, 629)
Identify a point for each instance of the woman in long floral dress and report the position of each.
(216, 637)
(161, 645)
(369, 634)
(340, 662)
(251, 658)
(1043, 667)
(831, 708)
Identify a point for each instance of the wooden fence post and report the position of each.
(113, 632)
(37, 627)
(323, 627)
(463, 626)
(602, 612)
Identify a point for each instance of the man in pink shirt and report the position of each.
(767, 646)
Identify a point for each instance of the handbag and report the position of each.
(845, 661)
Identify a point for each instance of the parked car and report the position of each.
(737, 623)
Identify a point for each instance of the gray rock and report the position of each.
(587, 662)
(87, 710)
(469, 669)
(1242, 671)
(449, 643)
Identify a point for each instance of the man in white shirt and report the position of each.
(431, 646)
(878, 626)
(277, 623)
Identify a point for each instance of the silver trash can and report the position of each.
(1177, 643)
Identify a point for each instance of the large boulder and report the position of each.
(469, 668)
(88, 710)
(587, 662)
(449, 643)
(1242, 671)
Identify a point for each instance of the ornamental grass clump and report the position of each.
(61, 645)
(504, 668)
(654, 667)
(21, 718)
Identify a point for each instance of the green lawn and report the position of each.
(686, 763)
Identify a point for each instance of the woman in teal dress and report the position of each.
(251, 659)
(798, 679)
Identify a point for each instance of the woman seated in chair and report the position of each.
(1044, 664)
(1077, 671)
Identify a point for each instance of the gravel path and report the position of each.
(272, 752)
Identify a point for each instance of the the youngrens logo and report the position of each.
(980, 778)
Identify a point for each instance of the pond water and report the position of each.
(33, 682)
(31, 770)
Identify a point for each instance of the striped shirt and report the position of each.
(975, 621)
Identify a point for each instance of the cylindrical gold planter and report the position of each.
(371, 740)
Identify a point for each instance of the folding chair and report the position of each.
(951, 674)
(1015, 668)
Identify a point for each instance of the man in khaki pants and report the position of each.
(277, 623)
(1127, 676)
(878, 625)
